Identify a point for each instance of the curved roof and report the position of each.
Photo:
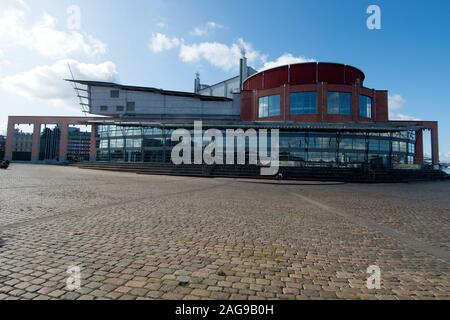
(148, 89)
(305, 73)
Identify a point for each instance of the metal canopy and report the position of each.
(386, 126)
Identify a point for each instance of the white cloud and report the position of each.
(402, 117)
(207, 29)
(12, 21)
(160, 42)
(286, 59)
(49, 41)
(217, 54)
(46, 82)
(396, 102)
(220, 55)
(3, 60)
(16, 29)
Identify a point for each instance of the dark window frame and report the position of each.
(365, 110)
(341, 108)
(131, 106)
(303, 109)
(268, 105)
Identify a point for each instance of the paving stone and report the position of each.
(56, 293)
(201, 293)
(158, 237)
(28, 296)
(140, 292)
(123, 289)
(172, 296)
(136, 284)
(70, 296)
(154, 294)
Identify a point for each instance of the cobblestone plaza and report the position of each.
(162, 237)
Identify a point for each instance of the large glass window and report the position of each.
(374, 145)
(346, 143)
(359, 144)
(308, 148)
(339, 103)
(274, 105)
(385, 145)
(365, 106)
(303, 102)
(134, 143)
(269, 106)
(116, 143)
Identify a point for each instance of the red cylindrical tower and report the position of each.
(339, 83)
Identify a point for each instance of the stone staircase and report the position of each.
(288, 173)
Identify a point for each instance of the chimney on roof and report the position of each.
(197, 83)
(243, 68)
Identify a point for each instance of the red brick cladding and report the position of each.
(318, 77)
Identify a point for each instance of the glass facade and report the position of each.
(269, 106)
(303, 103)
(339, 103)
(301, 148)
(365, 106)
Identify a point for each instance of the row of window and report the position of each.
(122, 131)
(380, 160)
(155, 144)
(378, 142)
(131, 107)
(306, 103)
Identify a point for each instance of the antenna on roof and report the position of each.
(84, 101)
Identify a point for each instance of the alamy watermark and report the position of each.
(374, 20)
(374, 280)
(74, 17)
(239, 145)
(73, 281)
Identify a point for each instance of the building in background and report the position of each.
(325, 114)
(2, 146)
(22, 145)
(49, 144)
(78, 145)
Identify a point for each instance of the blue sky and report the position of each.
(163, 43)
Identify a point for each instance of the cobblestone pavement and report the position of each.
(157, 237)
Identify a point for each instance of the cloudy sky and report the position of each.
(162, 43)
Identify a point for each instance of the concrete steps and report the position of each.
(253, 172)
